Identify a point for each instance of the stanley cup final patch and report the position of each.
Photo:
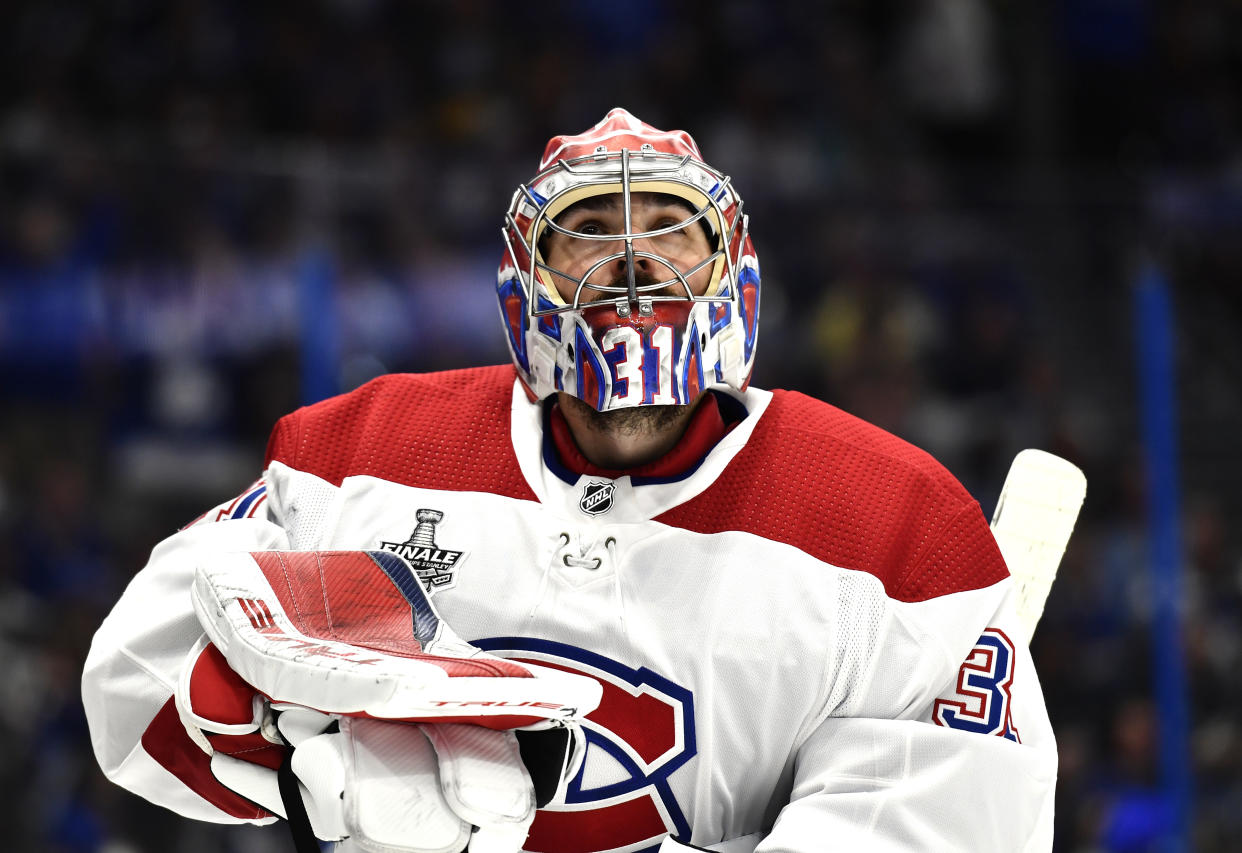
(596, 498)
(435, 566)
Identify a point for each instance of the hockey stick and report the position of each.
(1034, 518)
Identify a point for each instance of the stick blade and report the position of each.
(1034, 518)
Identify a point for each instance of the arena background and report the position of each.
(211, 212)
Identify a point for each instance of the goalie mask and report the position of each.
(636, 319)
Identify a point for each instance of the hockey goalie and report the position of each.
(608, 597)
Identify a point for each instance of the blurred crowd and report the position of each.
(951, 200)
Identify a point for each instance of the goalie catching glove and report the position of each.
(346, 653)
(351, 632)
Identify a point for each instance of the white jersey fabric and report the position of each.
(803, 640)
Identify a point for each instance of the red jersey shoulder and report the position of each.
(446, 430)
(853, 495)
(792, 414)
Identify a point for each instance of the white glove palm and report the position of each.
(412, 788)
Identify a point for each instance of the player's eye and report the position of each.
(676, 223)
(589, 227)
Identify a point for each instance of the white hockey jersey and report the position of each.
(803, 640)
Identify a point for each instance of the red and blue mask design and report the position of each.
(643, 339)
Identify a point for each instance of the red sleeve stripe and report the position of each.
(167, 741)
(847, 493)
(257, 503)
(447, 431)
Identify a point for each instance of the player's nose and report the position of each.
(642, 263)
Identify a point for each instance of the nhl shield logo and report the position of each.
(435, 566)
(596, 498)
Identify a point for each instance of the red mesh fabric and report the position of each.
(166, 741)
(850, 494)
(447, 431)
(812, 476)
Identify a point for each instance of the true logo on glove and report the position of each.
(596, 498)
(433, 565)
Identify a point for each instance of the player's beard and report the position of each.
(633, 421)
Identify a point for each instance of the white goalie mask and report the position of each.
(634, 331)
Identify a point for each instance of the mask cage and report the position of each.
(675, 174)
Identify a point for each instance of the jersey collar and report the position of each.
(702, 455)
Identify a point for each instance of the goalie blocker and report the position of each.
(352, 632)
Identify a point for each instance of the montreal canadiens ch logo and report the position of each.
(622, 800)
(596, 498)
